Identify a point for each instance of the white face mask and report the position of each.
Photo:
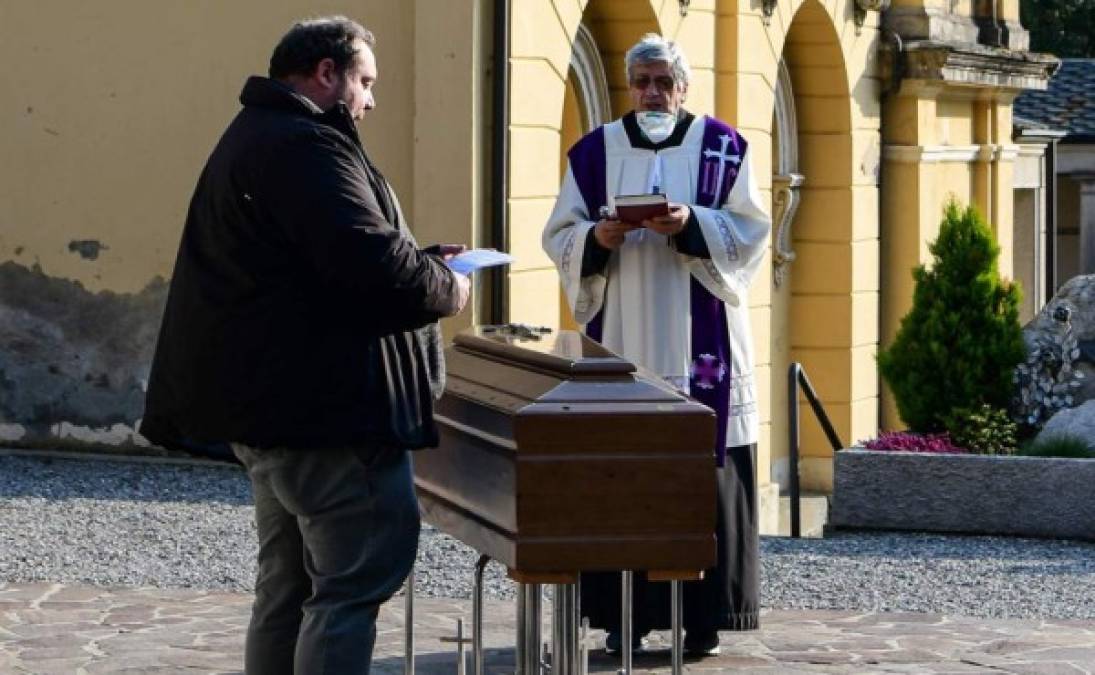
(656, 125)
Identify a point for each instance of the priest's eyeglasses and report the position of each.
(663, 83)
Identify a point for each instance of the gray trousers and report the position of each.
(338, 533)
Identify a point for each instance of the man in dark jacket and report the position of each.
(301, 329)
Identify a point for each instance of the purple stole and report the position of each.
(710, 376)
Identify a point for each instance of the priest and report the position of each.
(671, 293)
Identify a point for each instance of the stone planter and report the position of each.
(976, 494)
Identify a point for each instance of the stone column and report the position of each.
(993, 169)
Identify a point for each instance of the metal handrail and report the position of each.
(796, 377)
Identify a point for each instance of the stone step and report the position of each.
(814, 514)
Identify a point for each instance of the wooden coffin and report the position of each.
(558, 456)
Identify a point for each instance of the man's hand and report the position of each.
(671, 224)
(446, 251)
(463, 292)
(463, 284)
(611, 233)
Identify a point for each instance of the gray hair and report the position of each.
(653, 48)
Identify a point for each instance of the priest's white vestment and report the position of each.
(641, 298)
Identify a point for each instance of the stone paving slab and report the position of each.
(54, 628)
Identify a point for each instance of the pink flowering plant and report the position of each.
(905, 441)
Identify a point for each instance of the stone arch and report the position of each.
(854, 42)
(588, 81)
(832, 295)
(825, 313)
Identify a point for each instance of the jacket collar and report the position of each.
(263, 92)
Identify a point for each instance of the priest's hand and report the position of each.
(611, 233)
(672, 223)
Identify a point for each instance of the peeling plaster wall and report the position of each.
(102, 142)
(74, 364)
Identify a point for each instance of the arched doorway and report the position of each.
(825, 242)
(587, 86)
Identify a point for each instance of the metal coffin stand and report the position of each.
(559, 457)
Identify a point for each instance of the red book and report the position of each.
(637, 208)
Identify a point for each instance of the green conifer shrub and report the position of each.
(982, 431)
(959, 344)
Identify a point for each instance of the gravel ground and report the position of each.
(122, 523)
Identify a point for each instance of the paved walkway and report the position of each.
(52, 628)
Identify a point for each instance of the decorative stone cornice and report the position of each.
(925, 154)
(916, 22)
(1032, 148)
(968, 65)
(929, 154)
(930, 23)
(999, 153)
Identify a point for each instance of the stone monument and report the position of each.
(1059, 372)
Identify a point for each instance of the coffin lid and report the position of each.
(565, 352)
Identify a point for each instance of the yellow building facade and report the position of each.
(864, 124)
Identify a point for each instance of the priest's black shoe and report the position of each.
(701, 643)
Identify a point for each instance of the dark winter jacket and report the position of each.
(291, 286)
